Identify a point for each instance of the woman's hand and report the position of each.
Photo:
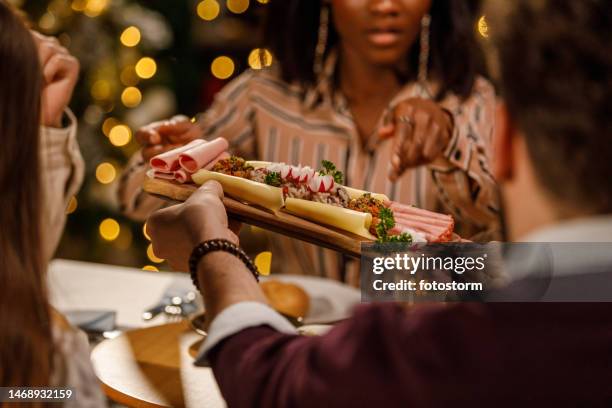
(60, 74)
(421, 130)
(159, 137)
(176, 230)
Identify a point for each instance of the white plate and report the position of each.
(330, 301)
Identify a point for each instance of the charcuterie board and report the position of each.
(280, 222)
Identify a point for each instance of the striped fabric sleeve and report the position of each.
(463, 178)
(230, 116)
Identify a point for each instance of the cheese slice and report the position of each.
(258, 164)
(260, 194)
(355, 222)
(356, 193)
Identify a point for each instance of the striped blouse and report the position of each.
(265, 118)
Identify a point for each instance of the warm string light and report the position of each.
(151, 255)
(106, 173)
(130, 37)
(237, 6)
(131, 97)
(222, 67)
(208, 10)
(109, 229)
(263, 261)
(483, 27)
(72, 205)
(150, 268)
(101, 90)
(145, 233)
(120, 135)
(93, 8)
(259, 58)
(146, 68)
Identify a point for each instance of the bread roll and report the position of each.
(286, 298)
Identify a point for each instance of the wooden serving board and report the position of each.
(283, 223)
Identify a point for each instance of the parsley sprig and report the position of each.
(329, 169)
(387, 222)
(273, 179)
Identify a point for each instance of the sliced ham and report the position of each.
(222, 156)
(158, 174)
(169, 161)
(399, 217)
(182, 176)
(408, 209)
(193, 159)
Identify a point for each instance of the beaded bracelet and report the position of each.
(213, 245)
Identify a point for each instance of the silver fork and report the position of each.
(176, 311)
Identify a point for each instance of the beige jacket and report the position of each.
(62, 169)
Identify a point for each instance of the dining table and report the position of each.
(150, 363)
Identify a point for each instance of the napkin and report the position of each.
(97, 321)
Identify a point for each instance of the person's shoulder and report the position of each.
(263, 81)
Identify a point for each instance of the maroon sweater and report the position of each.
(461, 355)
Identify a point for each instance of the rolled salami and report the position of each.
(169, 161)
(197, 157)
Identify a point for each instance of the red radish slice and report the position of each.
(199, 156)
(321, 184)
(306, 174)
(168, 161)
(285, 171)
(294, 173)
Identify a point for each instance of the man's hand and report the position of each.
(176, 230)
(159, 137)
(421, 131)
(60, 74)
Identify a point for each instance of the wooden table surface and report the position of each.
(153, 367)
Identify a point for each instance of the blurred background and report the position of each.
(141, 61)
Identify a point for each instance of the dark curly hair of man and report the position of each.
(553, 63)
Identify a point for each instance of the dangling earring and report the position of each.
(322, 40)
(424, 53)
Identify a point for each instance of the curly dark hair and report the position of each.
(291, 29)
(553, 62)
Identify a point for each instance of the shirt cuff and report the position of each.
(58, 140)
(236, 318)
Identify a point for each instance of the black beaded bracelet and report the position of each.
(213, 245)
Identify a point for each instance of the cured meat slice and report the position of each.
(169, 161)
(407, 218)
(408, 209)
(197, 157)
(182, 176)
(222, 156)
(164, 175)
